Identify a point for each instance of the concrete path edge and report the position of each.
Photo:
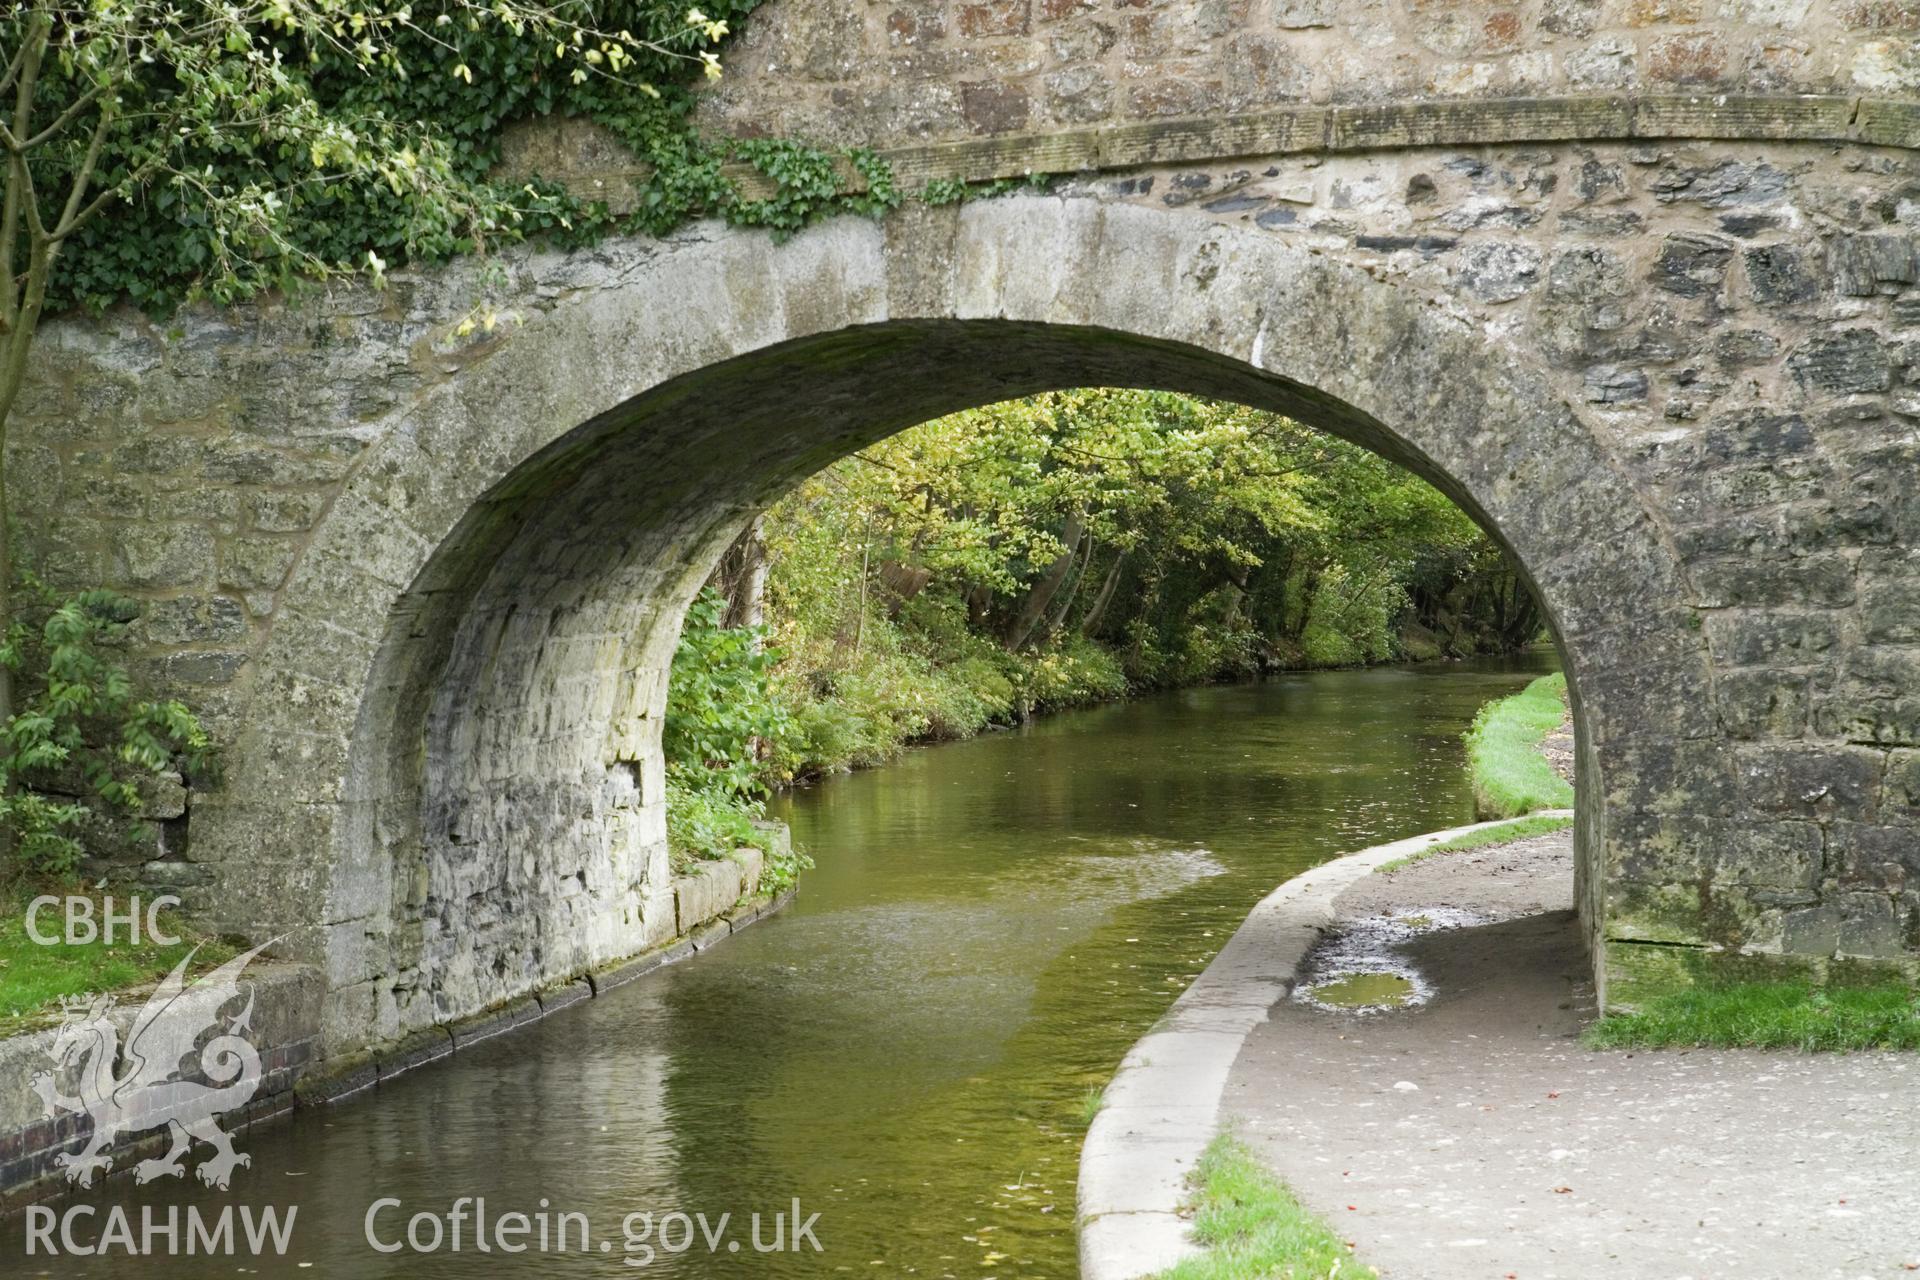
(1162, 1106)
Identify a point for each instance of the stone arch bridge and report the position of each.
(1632, 280)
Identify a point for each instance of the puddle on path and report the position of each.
(1363, 991)
(1361, 969)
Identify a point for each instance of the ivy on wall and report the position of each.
(466, 82)
(941, 191)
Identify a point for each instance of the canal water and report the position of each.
(910, 1051)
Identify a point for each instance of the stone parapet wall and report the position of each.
(890, 73)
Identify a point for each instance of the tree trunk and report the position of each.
(860, 618)
(1058, 618)
(1309, 588)
(23, 293)
(13, 372)
(1027, 617)
(979, 606)
(741, 577)
(1097, 611)
(903, 582)
(6, 604)
(1149, 599)
(1523, 614)
(1237, 582)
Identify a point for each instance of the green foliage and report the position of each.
(943, 191)
(879, 193)
(722, 725)
(306, 140)
(720, 716)
(80, 736)
(807, 186)
(1505, 833)
(782, 868)
(1350, 621)
(1069, 673)
(710, 822)
(1046, 553)
(1769, 1015)
(1253, 1228)
(858, 711)
(1063, 549)
(1510, 776)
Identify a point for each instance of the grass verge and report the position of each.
(1519, 829)
(34, 976)
(1510, 776)
(1769, 1015)
(1253, 1228)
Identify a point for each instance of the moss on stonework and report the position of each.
(1641, 974)
(1694, 912)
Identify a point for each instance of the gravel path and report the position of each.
(1473, 1136)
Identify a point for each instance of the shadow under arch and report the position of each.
(499, 819)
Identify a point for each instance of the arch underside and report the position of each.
(541, 676)
(500, 824)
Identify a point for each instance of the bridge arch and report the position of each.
(460, 738)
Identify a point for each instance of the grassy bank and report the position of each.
(1769, 1015)
(34, 976)
(1519, 829)
(1510, 776)
(1253, 1228)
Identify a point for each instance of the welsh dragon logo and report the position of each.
(145, 1086)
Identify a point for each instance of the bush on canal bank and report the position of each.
(722, 719)
(91, 771)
